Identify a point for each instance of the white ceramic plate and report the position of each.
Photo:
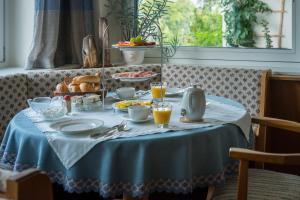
(174, 92)
(126, 117)
(77, 126)
(117, 97)
(137, 79)
(126, 109)
(119, 109)
(134, 47)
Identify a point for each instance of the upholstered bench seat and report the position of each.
(13, 96)
(263, 185)
(242, 85)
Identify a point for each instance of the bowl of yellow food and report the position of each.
(123, 105)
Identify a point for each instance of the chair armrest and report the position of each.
(251, 155)
(277, 123)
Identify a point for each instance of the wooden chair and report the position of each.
(282, 186)
(30, 184)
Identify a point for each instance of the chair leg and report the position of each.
(210, 192)
(243, 180)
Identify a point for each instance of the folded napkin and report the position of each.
(70, 149)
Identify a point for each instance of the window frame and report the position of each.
(240, 55)
(2, 31)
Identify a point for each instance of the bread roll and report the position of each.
(97, 86)
(98, 74)
(74, 88)
(62, 88)
(87, 87)
(86, 79)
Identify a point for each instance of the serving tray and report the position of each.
(55, 93)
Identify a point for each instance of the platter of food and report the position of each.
(135, 42)
(79, 85)
(134, 76)
(123, 105)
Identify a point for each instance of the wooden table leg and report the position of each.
(210, 192)
(127, 197)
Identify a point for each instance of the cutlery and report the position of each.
(110, 131)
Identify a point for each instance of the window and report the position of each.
(2, 31)
(284, 59)
(230, 23)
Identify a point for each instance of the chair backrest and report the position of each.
(249, 155)
(30, 184)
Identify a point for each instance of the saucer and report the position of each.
(117, 97)
(126, 117)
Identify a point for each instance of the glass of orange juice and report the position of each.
(158, 90)
(162, 113)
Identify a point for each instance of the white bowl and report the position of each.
(49, 108)
(126, 92)
(138, 113)
(133, 57)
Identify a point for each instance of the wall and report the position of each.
(19, 31)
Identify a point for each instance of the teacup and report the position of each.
(126, 92)
(138, 113)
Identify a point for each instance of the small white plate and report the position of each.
(119, 109)
(170, 92)
(133, 79)
(126, 117)
(126, 109)
(117, 97)
(77, 126)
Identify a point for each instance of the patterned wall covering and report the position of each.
(242, 85)
(13, 96)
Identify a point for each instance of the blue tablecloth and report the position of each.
(171, 162)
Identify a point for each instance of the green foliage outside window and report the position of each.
(193, 26)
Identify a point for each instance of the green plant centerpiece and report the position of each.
(241, 16)
(139, 22)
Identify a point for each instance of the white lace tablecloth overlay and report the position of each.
(70, 149)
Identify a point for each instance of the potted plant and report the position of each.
(240, 17)
(139, 23)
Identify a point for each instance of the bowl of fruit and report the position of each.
(134, 50)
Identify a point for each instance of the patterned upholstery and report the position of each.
(13, 96)
(263, 185)
(44, 83)
(242, 85)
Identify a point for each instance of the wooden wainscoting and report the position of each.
(283, 101)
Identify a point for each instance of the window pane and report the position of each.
(1, 30)
(230, 23)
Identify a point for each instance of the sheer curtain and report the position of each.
(59, 28)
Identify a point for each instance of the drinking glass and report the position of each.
(158, 90)
(162, 114)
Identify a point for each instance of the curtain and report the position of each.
(59, 28)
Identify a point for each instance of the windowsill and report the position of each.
(20, 70)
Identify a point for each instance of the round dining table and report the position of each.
(174, 161)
